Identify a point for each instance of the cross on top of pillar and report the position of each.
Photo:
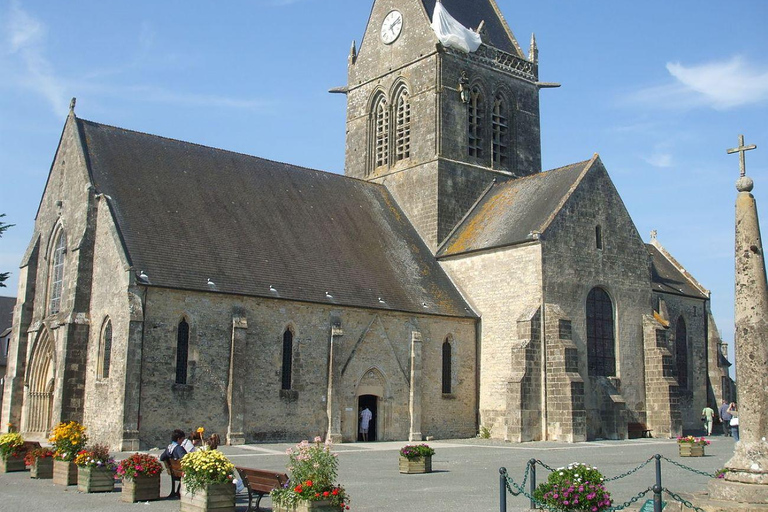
(741, 150)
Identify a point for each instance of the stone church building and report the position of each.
(445, 281)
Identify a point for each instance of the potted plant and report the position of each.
(95, 470)
(11, 452)
(67, 439)
(691, 446)
(312, 486)
(207, 482)
(141, 478)
(40, 462)
(416, 458)
(576, 487)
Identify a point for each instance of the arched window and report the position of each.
(287, 358)
(500, 128)
(105, 351)
(402, 125)
(601, 350)
(476, 117)
(598, 237)
(681, 353)
(182, 352)
(447, 366)
(380, 132)
(57, 273)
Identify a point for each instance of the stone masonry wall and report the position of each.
(663, 410)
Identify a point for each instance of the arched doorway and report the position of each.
(39, 406)
(371, 403)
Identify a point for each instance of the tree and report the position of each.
(3, 227)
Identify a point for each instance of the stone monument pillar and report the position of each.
(415, 398)
(333, 407)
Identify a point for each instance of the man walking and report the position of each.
(725, 417)
(708, 417)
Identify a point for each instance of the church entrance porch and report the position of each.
(40, 381)
(370, 402)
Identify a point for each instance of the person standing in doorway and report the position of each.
(725, 417)
(708, 417)
(365, 420)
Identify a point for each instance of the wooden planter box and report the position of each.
(42, 468)
(215, 497)
(420, 465)
(95, 479)
(64, 473)
(141, 488)
(307, 506)
(691, 450)
(12, 464)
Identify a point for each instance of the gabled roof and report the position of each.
(189, 213)
(512, 211)
(6, 312)
(668, 276)
(471, 12)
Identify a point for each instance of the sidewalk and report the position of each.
(465, 476)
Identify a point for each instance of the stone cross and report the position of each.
(741, 150)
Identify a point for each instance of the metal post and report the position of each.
(532, 466)
(502, 489)
(657, 488)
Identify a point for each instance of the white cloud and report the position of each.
(662, 160)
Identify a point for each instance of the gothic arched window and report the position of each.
(601, 350)
(476, 118)
(182, 351)
(681, 353)
(402, 125)
(500, 129)
(287, 358)
(380, 132)
(105, 351)
(598, 237)
(57, 272)
(447, 366)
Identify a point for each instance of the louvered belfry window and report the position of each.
(182, 352)
(403, 126)
(601, 350)
(475, 128)
(500, 126)
(57, 273)
(381, 132)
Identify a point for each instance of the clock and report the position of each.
(391, 27)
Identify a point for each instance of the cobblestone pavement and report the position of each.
(465, 475)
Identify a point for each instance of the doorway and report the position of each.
(369, 401)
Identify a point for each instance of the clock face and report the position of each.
(391, 27)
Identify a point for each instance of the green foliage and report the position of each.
(576, 487)
(485, 432)
(3, 227)
(416, 451)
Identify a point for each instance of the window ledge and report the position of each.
(182, 387)
(449, 396)
(289, 395)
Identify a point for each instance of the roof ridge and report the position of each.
(586, 166)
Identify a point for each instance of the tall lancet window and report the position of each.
(57, 272)
(105, 351)
(681, 353)
(182, 352)
(380, 132)
(601, 350)
(500, 127)
(287, 358)
(476, 117)
(402, 125)
(447, 366)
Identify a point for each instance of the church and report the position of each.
(445, 281)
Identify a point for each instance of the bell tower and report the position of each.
(434, 123)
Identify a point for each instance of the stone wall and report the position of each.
(663, 409)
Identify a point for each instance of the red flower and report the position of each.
(317, 495)
(335, 492)
(325, 493)
(298, 489)
(308, 483)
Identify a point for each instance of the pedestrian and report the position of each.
(725, 417)
(194, 441)
(175, 451)
(734, 412)
(365, 419)
(708, 417)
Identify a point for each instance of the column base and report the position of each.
(235, 438)
(130, 441)
(334, 438)
(415, 436)
(737, 492)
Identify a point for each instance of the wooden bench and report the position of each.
(173, 467)
(30, 445)
(260, 483)
(638, 430)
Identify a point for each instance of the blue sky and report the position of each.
(659, 89)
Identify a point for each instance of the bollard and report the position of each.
(502, 490)
(657, 488)
(532, 466)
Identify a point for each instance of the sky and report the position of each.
(659, 89)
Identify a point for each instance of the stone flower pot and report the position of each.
(214, 497)
(691, 450)
(420, 465)
(141, 488)
(64, 473)
(42, 468)
(307, 506)
(91, 479)
(10, 464)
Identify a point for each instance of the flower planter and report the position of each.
(214, 497)
(64, 473)
(691, 450)
(11, 463)
(94, 479)
(420, 465)
(141, 488)
(306, 506)
(42, 468)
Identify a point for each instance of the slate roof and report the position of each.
(666, 277)
(6, 312)
(510, 211)
(189, 213)
(471, 12)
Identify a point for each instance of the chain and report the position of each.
(521, 490)
(675, 463)
(632, 500)
(638, 468)
(684, 501)
(549, 468)
(507, 480)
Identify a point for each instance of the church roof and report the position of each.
(511, 211)
(668, 276)
(188, 214)
(471, 13)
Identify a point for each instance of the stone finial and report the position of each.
(743, 185)
(533, 54)
(654, 234)
(72, 104)
(353, 52)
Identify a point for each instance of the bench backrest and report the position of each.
(173, 467)
(261, 480)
